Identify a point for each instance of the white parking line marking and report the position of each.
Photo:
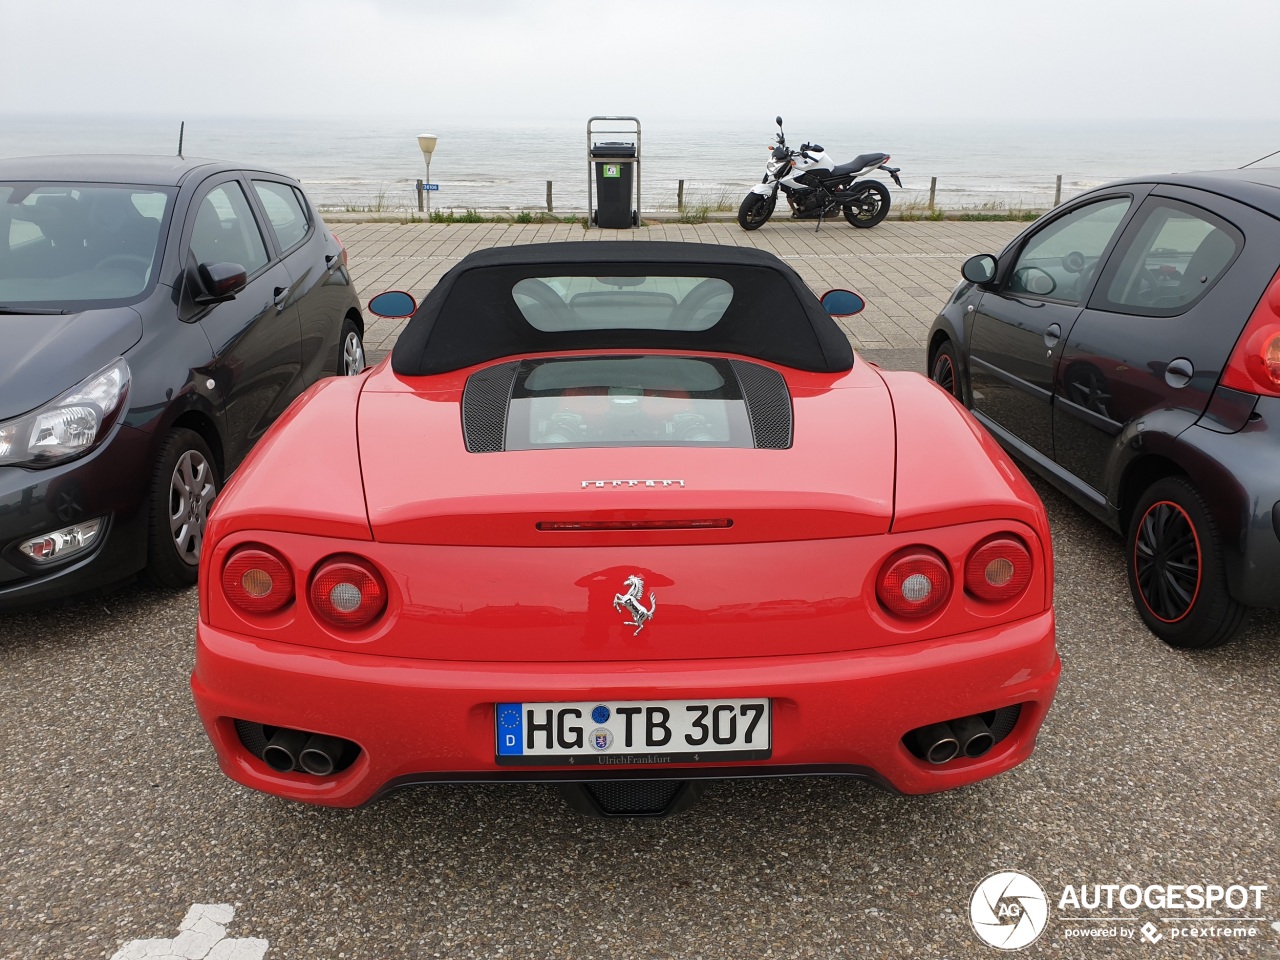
(202, 935)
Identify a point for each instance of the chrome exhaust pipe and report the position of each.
(975, 737)
(281, 751)
(321, 754)
(938, 743)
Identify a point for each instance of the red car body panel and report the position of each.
(814, 489)
(503, 575)
(513, 614)
(419, 721)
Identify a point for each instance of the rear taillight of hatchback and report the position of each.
(1254, 366)
(342, 250)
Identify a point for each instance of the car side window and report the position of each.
(285, 210)
(1059, 262)
(225, 230)
(1172, 255)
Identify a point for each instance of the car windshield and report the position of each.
(556, 304)
(70, 246)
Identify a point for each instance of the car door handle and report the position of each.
(282, 295)
(1179, 372)
(1052, 335)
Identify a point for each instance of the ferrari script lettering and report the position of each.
(616, 484)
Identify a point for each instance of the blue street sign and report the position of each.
(431, 186)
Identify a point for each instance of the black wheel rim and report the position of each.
(944, 374)
(1166, 557)
(758, 211)
(868, 205)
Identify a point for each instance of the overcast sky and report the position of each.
(501, 59)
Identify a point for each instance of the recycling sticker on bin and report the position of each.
(612, 170)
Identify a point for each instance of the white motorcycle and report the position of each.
(815, 187)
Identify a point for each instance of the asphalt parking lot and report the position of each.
(1155, 767)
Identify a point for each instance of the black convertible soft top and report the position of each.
(471, 315)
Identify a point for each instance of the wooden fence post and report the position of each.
(1057, 192)
(418, 187)
(933, 191)
(550, 206)
(680, 196)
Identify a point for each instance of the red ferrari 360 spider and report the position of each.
(627, 516)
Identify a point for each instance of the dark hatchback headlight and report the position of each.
(69, 426)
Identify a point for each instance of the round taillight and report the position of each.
(1271, 359)
(998, 569)
(914, 583)
(348, 592)
(257, 581)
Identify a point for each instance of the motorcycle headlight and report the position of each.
(70, 425)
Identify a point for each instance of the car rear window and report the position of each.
(78, 244)
(626, 401)
(558, 304)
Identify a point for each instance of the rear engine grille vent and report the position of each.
(768, 404)
(484, 407)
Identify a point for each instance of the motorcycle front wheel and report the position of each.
(871, 205)
(755, 211)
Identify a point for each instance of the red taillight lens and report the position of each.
(1254, 366)
(914, 582)
(342, 251)
(348, 592)
(257, 581)
(998, 569)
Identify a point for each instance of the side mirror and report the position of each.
(980, 269)
(779, 120)
(842, 303)
(221, 282)
(394, 305)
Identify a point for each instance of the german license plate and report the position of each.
(593, 733)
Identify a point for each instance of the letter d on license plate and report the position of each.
(607, 733)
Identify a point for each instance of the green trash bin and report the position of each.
(613, 184)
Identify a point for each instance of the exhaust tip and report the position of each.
(971, 737)
(974, 735)
(321, 755)
(285, 750)
(937, 743)
(281, 751)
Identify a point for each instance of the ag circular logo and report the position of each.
(1008, 910)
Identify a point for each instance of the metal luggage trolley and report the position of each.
(609, 184)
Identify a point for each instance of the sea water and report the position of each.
(372, 163)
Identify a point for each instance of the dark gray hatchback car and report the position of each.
(1127, 347)
(156, 315)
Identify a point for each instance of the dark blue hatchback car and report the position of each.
(156, 315)
(1127, 347)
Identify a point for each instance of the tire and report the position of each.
(183, 487)
(755, 211)
(944, 371)
(1176, 572)
(872, 205)
(351, 359)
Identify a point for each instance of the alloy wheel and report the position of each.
(1167, 561)
(190, 495)
(352, 354)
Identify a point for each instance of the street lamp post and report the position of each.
(427, 144)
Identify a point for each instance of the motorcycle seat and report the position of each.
(857, 163)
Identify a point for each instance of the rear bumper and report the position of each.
(424, 721)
